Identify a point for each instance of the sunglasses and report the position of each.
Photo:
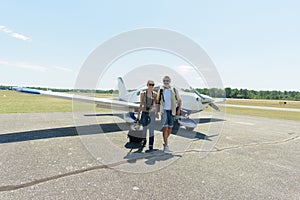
(151, 84)
(166, 81)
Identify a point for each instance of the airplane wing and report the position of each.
(105, 102)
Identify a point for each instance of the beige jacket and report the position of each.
(175, 97)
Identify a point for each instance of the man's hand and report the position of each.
(178, 112)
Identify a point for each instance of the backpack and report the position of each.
(135, 133)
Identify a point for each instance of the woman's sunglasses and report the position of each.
(151, 84)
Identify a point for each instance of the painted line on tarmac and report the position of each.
(245, 123)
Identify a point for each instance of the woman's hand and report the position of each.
(138, 116)
(156, 115)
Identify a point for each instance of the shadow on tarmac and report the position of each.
(150, 158)
(92, 129)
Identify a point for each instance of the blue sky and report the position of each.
(254, 44)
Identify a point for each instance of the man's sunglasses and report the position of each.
(151, 84)
(166, 81)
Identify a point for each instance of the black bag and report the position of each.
(135, 133)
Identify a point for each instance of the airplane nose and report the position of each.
(207, 100)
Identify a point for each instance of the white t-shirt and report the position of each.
(167, 98)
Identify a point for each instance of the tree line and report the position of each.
(2, 87)
(251, 94)
(213, 92)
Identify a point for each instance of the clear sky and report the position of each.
(254, 44)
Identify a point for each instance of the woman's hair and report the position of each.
(150, 81)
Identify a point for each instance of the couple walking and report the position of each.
(166, 101)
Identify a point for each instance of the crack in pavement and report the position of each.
(256, 144)
(109, 166)
(248, 145)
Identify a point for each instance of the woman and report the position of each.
(147, 108)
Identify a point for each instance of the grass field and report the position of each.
(268, 103)
(287, 115)
(16, 102)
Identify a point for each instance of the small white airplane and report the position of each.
(192, 102)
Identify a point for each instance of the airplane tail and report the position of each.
(121, 86)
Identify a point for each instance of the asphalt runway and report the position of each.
(42, 157)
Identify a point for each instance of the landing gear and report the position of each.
(189, 128)
(188, 123)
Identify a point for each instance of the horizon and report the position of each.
(107, 89)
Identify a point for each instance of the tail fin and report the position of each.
(122, 89)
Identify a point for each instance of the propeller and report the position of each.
(214, 106)
(208, 100)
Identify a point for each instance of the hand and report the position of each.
(153, 109)
(156, 115)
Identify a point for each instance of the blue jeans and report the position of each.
(144, 119)
(167, 118)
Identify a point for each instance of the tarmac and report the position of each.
(236, 157)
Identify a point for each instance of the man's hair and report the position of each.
(168, 77)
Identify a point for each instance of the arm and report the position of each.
(179, 102)
(157, 104)
(179, 107)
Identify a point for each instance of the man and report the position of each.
(167, 101)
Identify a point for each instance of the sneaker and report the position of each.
(149, 150)
(166, 149)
